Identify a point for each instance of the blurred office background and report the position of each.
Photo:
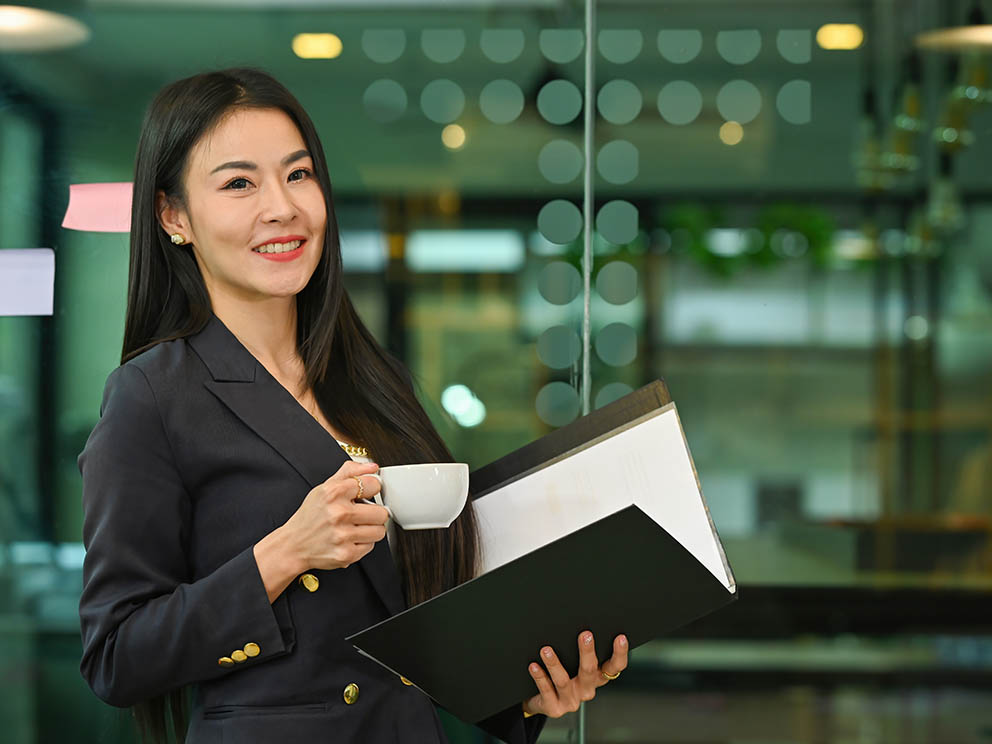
(792, 204)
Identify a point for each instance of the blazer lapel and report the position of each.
(271, 411)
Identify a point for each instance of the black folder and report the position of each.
(469, 648)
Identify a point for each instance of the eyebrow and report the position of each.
(248, 165)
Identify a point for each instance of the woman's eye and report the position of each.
(237, 183)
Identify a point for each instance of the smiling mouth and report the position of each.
(292, 245)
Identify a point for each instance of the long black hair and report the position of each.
(365, 391)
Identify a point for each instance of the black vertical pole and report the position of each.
(48, 437)
(48, 200)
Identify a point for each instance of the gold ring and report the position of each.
(610, 676)
(361, 487)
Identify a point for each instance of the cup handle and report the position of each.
(378, 496)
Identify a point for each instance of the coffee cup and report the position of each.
(423, 496)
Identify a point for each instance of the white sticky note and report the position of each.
(27, 281)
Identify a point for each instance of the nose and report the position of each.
(277, 203)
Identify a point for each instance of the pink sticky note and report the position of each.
(99, 207)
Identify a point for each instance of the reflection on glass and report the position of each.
(619, 101)
(442, 101)
(815, 290)
(739, 46)
(561, 45)
(501, 101)
(680, 102)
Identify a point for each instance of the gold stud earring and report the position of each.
(177, 238)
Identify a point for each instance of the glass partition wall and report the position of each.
(779, 208)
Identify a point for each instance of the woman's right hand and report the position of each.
(333, 530)
(329, 530)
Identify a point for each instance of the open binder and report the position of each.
(599, 525)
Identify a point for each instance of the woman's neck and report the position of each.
(268, 330)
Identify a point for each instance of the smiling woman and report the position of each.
(245, 197)
(236, 369)
(228, 549)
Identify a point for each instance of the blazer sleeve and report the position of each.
(147, 628)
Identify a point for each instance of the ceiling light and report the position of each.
(453, 137)
(956, 39)
(317, 46)
(975, 34)
(840, 36)
(33, 30)
(731, 133)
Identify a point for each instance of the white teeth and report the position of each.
(292, 245)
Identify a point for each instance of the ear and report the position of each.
(172, 218)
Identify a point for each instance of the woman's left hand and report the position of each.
(560, 695)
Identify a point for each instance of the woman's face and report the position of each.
(255, 212)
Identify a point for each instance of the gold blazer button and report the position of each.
(351, 693)
(309, 582)
(239, 656)
(225, 661)
(252, 649)
(405, 681)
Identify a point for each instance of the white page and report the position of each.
(646, 464)
(27, 281)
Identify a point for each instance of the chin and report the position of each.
(288, 286)
(285, 291)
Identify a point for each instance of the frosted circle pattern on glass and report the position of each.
(442, 101)
(384, 100)
(442, 45)
(680, 45)
(617, 221)
(795, 45)
(559, 283)
(501, 101)
(620, 45)
(557, 403)
(559, 101)
(560, 221)
(616, 344)
(739, 101)
(502, 45)
(740, 46)
(619, 101)
(383, 45)
(794, 102)
(617, 162)
(616, 282)
(559, 347)
(611, 392)
(680, 102)
(561, 45)
(560, 161)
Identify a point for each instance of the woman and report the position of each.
(228, 549)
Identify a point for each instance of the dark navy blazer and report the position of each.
(199, 453)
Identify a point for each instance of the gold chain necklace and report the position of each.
(353, 449)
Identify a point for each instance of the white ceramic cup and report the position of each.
(423, 496)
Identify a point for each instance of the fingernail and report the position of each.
(547, 652)
(535, 669)
(623, 640)
(587, 638)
